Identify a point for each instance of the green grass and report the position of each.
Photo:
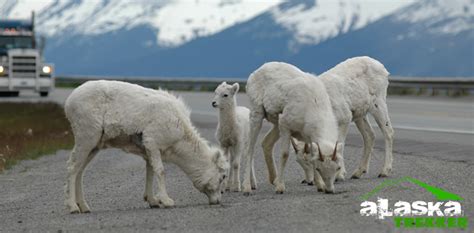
(30, 130)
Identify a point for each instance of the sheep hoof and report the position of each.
(355, 177)
(165, 202)
(74, 209)
(280, 188)
(145, 198)
(357, 174)
(340, 179)
(310, 183)
(247, 194)
(304, 182)
(84, 208)
(246, 188)
(321, 190)
(254, 187)
(382, 175)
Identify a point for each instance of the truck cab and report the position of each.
(22, 65)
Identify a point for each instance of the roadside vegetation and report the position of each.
(175, 85)
(29, 130)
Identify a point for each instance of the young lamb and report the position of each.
(357, 87)
(232, 131)
(297, 104)
(152, 124)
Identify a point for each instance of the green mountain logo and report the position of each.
(438, 193)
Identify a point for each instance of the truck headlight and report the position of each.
(47, 69)
(1, 69)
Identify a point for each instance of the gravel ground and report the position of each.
(31, 193)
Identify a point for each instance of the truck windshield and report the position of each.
(16, 42)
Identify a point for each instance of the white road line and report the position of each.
(434, 129)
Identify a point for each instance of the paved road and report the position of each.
(433, 142)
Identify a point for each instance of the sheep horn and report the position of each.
(334, 153)
(321, 158)
(306, 148)
(293, 143)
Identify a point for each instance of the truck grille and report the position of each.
(23, 66)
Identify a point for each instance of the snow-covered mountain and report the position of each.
(316, 21)
(233, 37)
(180, 21)
(174, 22)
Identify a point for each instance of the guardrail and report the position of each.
(398, 85)
(451, 86)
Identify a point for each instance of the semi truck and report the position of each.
(22, 65)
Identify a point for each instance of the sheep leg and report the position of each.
(343, 129)
(81, 202)
(285, 151)
(320, 185)
(229, 180)
(256, 118)
(78, 158)
(148, 181)
(380, 113)
(319, 181)
(268, 144)
(308, 171)
(368, 136)
(253, 179)
(161, 199)
(235, 169)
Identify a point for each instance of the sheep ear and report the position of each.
(293, 143)
(235, 87)
(220, 161)
(320, 155)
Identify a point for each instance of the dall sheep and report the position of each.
(357, 87)
(297, 104)
(152, 124)
(232, 131)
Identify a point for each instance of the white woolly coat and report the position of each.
(353, 86)
(129, 116)
(301, 99)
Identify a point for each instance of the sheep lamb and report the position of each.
(297, 105)
(152, 124)
(232, 131)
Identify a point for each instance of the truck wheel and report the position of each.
(9, 93)
(44, 93)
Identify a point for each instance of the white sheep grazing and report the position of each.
(298, 106)
(232, 131)
(356, 87)
(153, 124)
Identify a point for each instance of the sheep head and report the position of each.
(224, 95)
(327, 162)
(215, 176)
